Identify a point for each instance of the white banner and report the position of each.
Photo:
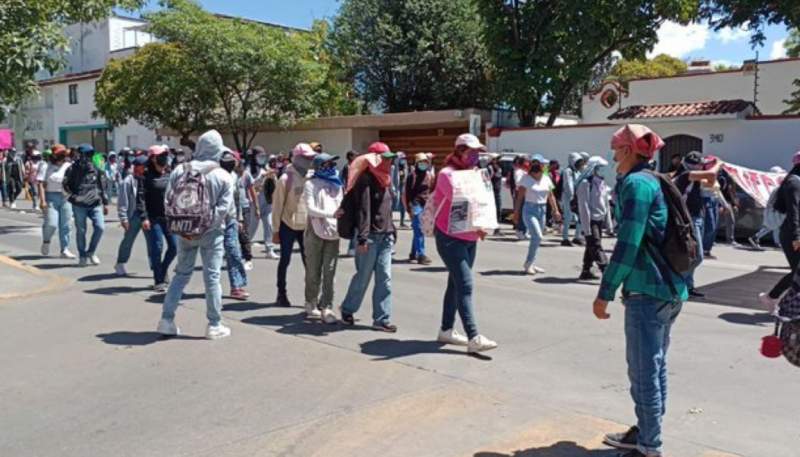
(473, 205)
(757, 184)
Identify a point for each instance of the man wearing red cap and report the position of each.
(370, 178)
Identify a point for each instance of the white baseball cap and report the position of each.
(469, 140)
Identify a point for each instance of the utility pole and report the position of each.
(755, 82)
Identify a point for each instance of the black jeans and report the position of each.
(594, 248)
(794, 259)
(288, 238)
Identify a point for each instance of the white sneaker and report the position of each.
(217, 332)
(529, 269)
(312, 312)
(480, 343)
(45, 249)
(767, 302)
(328, 316)
(248, 266)
(161, 288)
(119, 270)
(452, 336)
(83, 262)
(272, 255)
(65, 254)
(13, 206)
(94, 260)
(168, 328)
(539, 270)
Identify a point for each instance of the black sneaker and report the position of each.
(588, 276)
(348, 319)
(283, 301)
(566, 243)
(385, 327)
(578, 241)
(412, 258)
(626, 440)
(696, 294)
(424, 260)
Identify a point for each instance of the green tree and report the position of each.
(792, 43)
(794, 101)
(543, 50)
(407, 55)
(260, 75)
(32, 39)
(660, 65)
(754, 14)
(336, 96)
(156, 88)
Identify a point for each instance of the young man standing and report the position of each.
(86, 187)
(651, 292)
(568, 178)
(219, 191)
(418, 187)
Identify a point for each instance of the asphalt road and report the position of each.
(85, 375)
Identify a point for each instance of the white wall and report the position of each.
(775, 85)
(94, 52)
(361, 139)
(122, 35)
(758, 144)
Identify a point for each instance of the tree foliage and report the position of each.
(157, 87)
(542, 50)
(660, 65)
(754, 14)
(260, 75)
(32, 39)
(794, 100)
(407, 55)
(792, 43)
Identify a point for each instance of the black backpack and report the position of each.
(346, 223)
(679, 248)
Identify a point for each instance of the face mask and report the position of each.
(228, 166)
(162, 160)
(472, 158)
(180, 158)
(261, 160)
(422, 166)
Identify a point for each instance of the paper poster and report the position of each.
(473, 202)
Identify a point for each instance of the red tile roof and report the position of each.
(707, 108)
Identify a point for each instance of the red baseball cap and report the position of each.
(383, 149)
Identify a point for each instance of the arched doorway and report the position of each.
(678, 145)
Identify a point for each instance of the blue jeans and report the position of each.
(265, 210)
(698, 223)
(710, 222)
(567, 218)
(59, 212)
(82, 213)
(418, 242)
(233, 256)
(533, 214)
(126, 245)
(459, 257)
(288, 238)
(378, 259)
(211, 250)
(158, 234)
(34, 191)
(648, 322)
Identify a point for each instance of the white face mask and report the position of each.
(261, 160)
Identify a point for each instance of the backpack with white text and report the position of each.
(189, 208)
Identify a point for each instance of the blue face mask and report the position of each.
(422, 166)
(330, 174)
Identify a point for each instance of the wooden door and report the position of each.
(678, 145)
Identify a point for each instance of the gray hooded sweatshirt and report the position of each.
(220, 183)
(568, 177)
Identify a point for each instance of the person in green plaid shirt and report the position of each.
(651, 292)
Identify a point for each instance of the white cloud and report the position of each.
(778, 50)
(729, 35)
(679, 40)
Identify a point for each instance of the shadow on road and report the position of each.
(9, 229)
(159, 298)
(757, 319)
(560, 449)
(741, 291)
(108, 277)
(56, 266)
(297, 324)
(117, 290)
(429, 269)
(572, 280)
(503, 273)
(388, 349)
(23, 258)
(124, 338)
(241, 307)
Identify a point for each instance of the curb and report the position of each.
(53, 283)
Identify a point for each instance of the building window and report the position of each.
(73, 94)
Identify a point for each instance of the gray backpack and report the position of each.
(189, 207)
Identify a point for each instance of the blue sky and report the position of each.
(695, 41)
